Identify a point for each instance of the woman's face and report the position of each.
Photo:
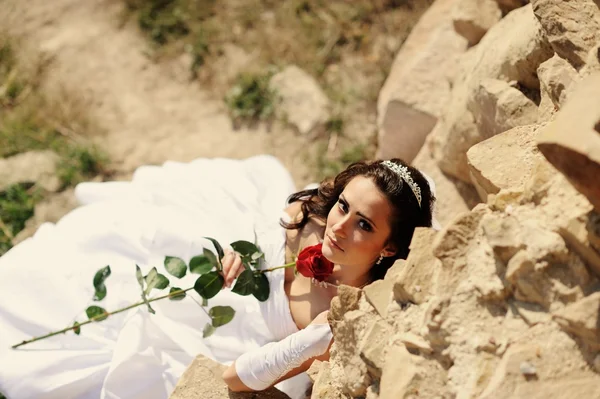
(357, 228)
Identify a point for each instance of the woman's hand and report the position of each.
(232, 266)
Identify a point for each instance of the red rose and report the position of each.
(312, 263)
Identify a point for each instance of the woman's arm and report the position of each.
(269, 365)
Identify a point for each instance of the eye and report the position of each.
(343, 205)
(363, 224)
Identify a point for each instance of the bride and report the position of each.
(364, 219)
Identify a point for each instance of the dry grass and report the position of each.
(32, 119)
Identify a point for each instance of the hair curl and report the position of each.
(406, 212)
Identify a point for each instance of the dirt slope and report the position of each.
(150, 113)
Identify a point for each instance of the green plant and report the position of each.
(17, 203)
(327, 165)
(79, 163)
(251, 99)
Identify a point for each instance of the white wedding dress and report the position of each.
(46, 282)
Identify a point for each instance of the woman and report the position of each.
(364, 218)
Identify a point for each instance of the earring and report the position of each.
(379, 260)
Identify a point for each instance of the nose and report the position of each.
(339, 227)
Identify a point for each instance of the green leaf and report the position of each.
(96, 311)
(77, 329)
(99, 279)
(261, 287)
(245, 283)
(155, 280)
(211, 257)
(204, 302)
(202, 264)
(176, 297)
(249, 253)
(140, 279)
(221, 315)
(100, 292)
(175, 266)
(244, 248)
(208, 330)
(220, 252)
(208, 285)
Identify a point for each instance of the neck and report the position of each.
(339, 278)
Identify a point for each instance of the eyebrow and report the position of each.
(358, 213)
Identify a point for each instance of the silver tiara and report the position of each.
(403, 172)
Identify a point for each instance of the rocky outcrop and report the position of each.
(301, 101)
(511, 51)
(556, 77)
(515, 149)
(572, 27)
(572, 141)
(473, 18)
(202, 380)
(496, 305)
(417, 89)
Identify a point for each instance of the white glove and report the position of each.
(260, 368)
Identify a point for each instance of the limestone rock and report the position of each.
(373, 346)
(505, 161)
(379, 295)
(202, 380)
(582, 318)
(572, 27)
(416, 282)
(453, 196)
(350, 319)
(509, 5)
(556, 76)
(592, 63)
(512, 50)
(302, 102)
(503, 234)
(572, 142)
(401, 376)
(532, 314)
(498, 106)
(414, 341)
(417, 89)
(325, 386)
(561, 371)
(473, 18)
(33, 166)
(580, 239)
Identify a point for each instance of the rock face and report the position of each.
(572, 27)
(515, 150)
(511, 51)
(202, 380)
(302, 102)
(417, 89)
(504, 301)
(473, 18)
(572, 141)
(496, 305)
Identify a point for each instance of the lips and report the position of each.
(335, 244)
